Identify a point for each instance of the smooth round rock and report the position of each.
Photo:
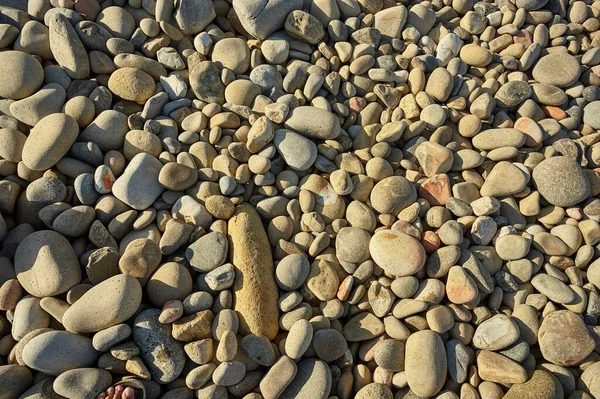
(55, 352)
(131, 84)
(291, 272)
(564, 339)
(397, 253)
(113, 301)
(85, 383)
(425, 363)
(46, 264)
(49, 141)
(559, 69)
(232, 53)
(312, 381)
(393, 194)
(561, 181)
(26, 75)
(496, 333)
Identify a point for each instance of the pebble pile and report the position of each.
(300, 199)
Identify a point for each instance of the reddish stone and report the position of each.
(430, 241)
(436, 190)
(554, 112)
(523, 36)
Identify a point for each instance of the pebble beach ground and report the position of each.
(310, 199)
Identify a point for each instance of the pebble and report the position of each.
(566, 188)
(406, 258)
(313, 380)
(208, 252)
(564, 339)
(84, 383)
(55, 352)
(255, 302)
(298, 152)
(49, 141)
(292, 271)
(139, 186)
(163, 356)
(278, 377)
(496, 333)
(121, 296)
(425, 363)
(46, 264)
(26, 72)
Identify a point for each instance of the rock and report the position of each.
(259, 349)
(55, 352)
(564, 339)
(352, 245)
(589, 379)
(504, 179)
(205, 81)
(542, 385)
(496, 138)
(67, 48)
(255, 290)
(192, 16)
(475, 55)
(48, 100)
(553, 288)
(208, 252)
(397, 253)
(298, 339)
(439, 85)
(312, 381)
(496, 333)
(15, 379)
(85, 383)
(292, 271)
(512, 94)
(194, 327)
(558, 69)
(108, 130)
(434, 158)
(278, 378)
(304, 26)
(425, 363)
(329, 344)
(314, 123)
(114, 301)
(49, 141)
(494, 367)
(118, 21)
(26, 75)
(264, 18)
(389, 354)
(374, 390)
(74, 222)
(392, 194)
(297, 151)
(561, 181)
(232, 53)
(163, 356)
(46, 190)
(11, 144)
(422, 18)
(46, 265)
(390, 21)
(138, 186)
(131, 84)
(362, 327)
(170, 281)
